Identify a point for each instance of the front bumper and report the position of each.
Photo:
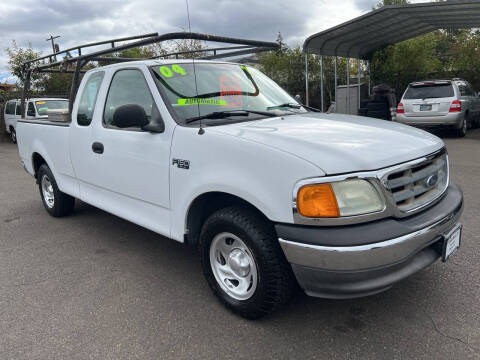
(371, 257)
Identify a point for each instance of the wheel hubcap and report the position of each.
(47, 191)
(233, 266)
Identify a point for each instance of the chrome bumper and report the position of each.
(348, 258)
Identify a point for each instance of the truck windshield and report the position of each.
(220, 87)
(44, 105)
(429, 91)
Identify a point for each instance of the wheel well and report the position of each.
(205, 205)
(37, 161)
(11, 128)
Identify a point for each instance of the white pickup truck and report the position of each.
(274, 194)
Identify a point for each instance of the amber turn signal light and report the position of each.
(317, 201)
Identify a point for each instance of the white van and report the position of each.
(35, 108)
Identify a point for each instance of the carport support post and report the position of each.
(359, 76)
(348, 85)
(306, 78)
(369, 73)
(321, 82)
(336, 83)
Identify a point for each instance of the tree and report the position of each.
(17, 56)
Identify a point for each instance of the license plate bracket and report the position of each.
(451, 242)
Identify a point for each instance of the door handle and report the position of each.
(97, 148)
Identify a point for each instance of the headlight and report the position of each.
(343, 198)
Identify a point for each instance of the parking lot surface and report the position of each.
(94, 286)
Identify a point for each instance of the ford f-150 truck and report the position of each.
(274, 194)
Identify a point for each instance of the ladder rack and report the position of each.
(53, 65)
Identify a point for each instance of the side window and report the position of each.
(127, 87)
(10, 108)
(30, 109)
(18, 110)
(89, 98)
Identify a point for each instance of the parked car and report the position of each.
(218, 156)
(451, 104)
(36, 108)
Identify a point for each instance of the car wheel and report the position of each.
(462, 131)
(243, 262)
(13, 136)
(56, 203)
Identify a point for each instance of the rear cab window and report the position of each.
(429, 91)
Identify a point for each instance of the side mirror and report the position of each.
(298, 98)
(156, 124)
(129, 115)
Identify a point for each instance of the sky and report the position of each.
(33, 21)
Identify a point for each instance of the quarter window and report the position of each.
(18, 110)
(10, 108)
(127, 87)
(89, 98)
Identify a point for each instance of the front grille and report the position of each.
(420, 184)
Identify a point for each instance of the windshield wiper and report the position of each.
(293, 106)
(287, 105)
(228, 113)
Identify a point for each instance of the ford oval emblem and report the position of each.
(431, 181)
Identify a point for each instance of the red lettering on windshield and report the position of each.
(231, 90)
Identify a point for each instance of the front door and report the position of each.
(130, 167)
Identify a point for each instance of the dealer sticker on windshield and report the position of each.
(452, 242)
(196, 101)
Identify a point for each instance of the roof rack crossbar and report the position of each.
(149, 41)
(236, 53)
(78, 48)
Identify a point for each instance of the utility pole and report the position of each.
(51, 38)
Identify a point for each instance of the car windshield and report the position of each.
(429, 91)
(220, 87)
(44, 105)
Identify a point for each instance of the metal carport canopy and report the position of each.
(360, 37)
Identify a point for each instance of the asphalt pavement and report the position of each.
(94, 286)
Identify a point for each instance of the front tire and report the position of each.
(243, 262)
(56, 203)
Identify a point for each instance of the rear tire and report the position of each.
(243, 262)
(57, 203)
(13, 135)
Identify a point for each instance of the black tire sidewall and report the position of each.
(255, 306)
(55, 210)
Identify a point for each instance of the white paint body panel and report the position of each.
(258, 161)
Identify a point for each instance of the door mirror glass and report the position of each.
(130, 116)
